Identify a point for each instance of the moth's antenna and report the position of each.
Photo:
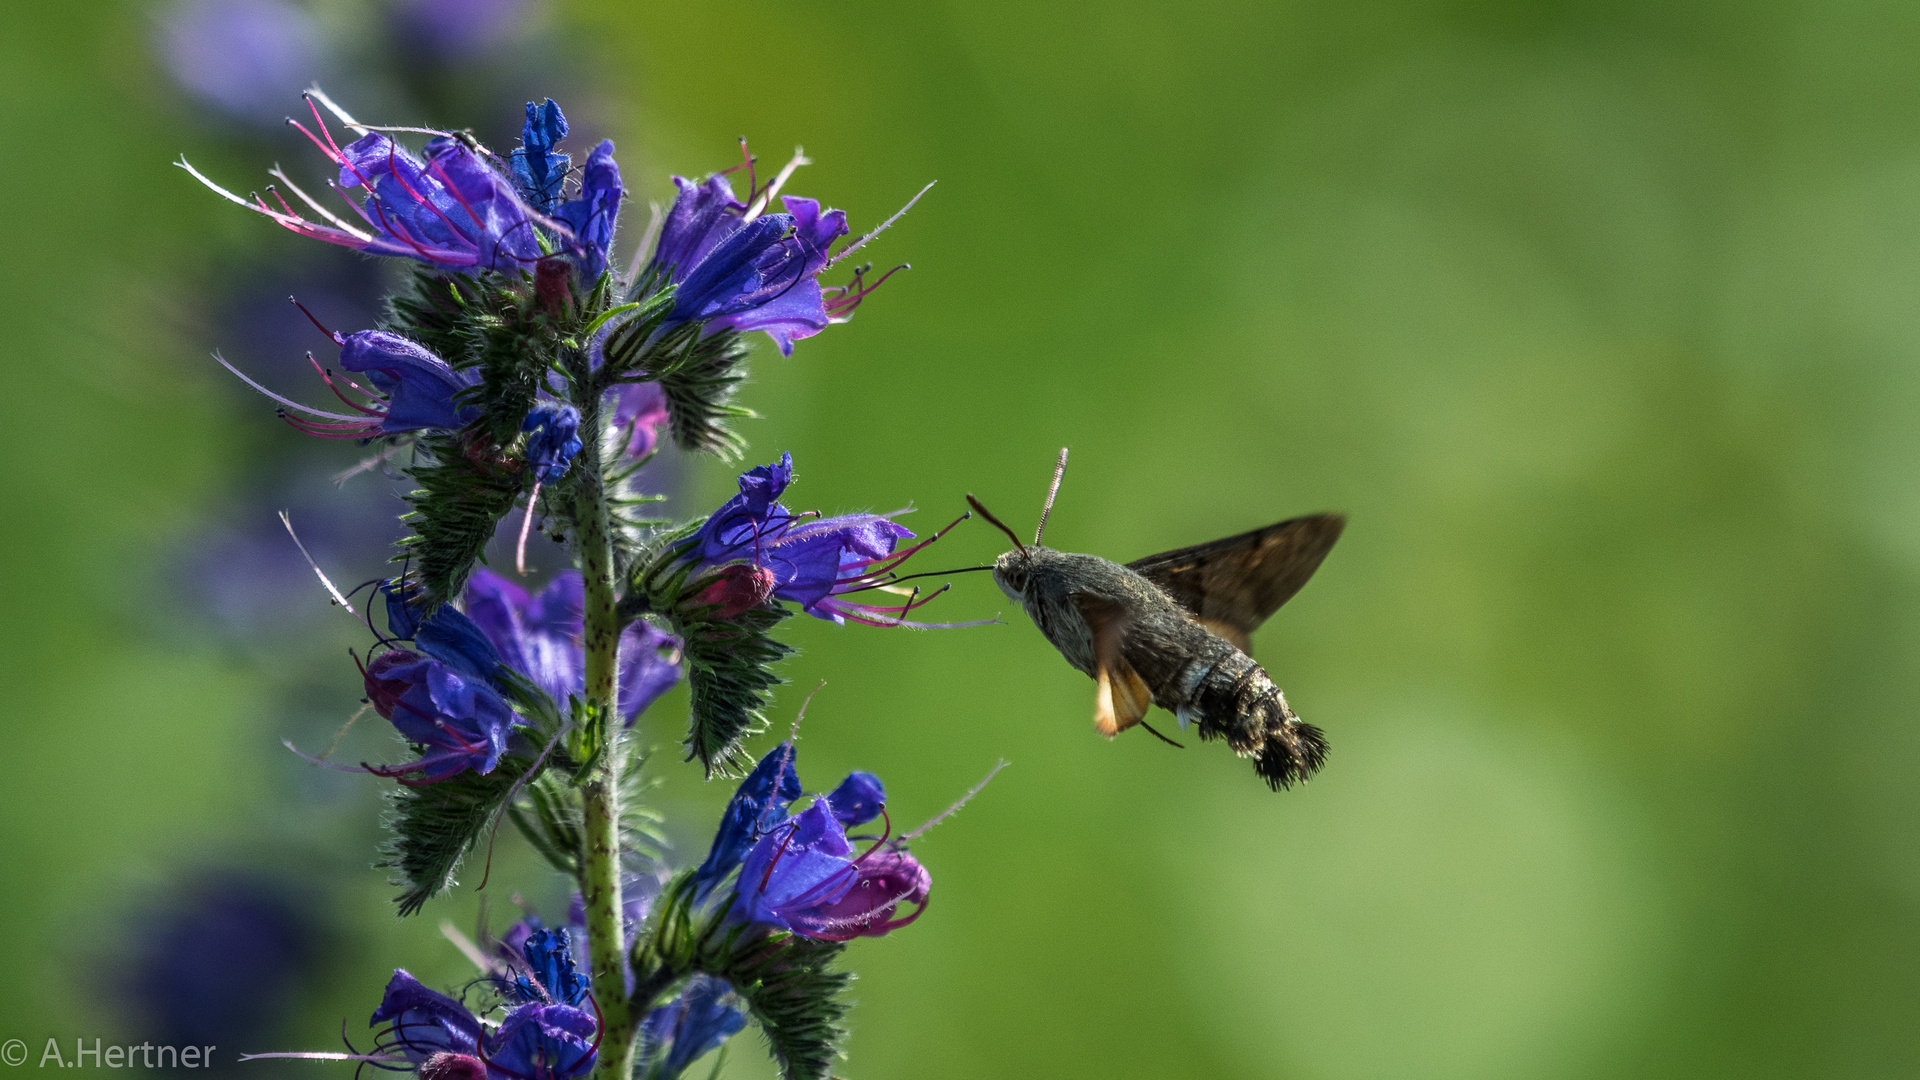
(1059, 470)
(997, 523)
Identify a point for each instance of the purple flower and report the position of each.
(535, 1041)
(554, 439)
(803, 876)
(860, 798)
(446, 634)
(699, 1020)
(594, 212)
(537, 166)
(448, 208)
(743, 270)
(813, 561)
(422, 1022)
(460, 720)
(238, 55)
(542, 636)
(547, 1042)
(801, 873)
(758, 804)
(413, 390)
(740, 268)
(644, 407)
(884, 879)
(455, 29)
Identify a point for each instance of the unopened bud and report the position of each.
(738, 588)
(447, 1065)
(553, 284)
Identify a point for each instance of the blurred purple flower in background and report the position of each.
(457, 29)
(643, 406)
(242, 57)
(224, 961)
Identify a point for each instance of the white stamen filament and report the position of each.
(321, 574)
(765, 198)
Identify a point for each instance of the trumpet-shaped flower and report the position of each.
(552, 440)
(450, 206)
(542, 635)
(537, 166)
(701, 1018)
(413, 390)
(812, 561)
(458, 719)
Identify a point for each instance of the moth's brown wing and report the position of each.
(1121, 697)
(1232, 585)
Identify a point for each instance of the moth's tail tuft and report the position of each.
(1293, 751)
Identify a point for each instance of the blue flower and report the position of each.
(758, 804)
(592, 214)
(549, 974)
(423, 1022)
(801, 873)
(449, 207)
(440, 1037)
(542, 637)
(554, 439)
(537, 166)
(543, 1042)
(746, 274)
(801, 864)
(814, 562)
(421, 389)
(413, 390)
(698, 1020)
(859, 799)
(446, 634)
(458, 718)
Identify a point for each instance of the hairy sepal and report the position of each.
(789, 983)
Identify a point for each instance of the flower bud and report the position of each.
(737, 588)
(450, 1066)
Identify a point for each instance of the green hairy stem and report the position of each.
(600, 868)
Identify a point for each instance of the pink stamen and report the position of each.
(321, 121)
(333, 155)
(288, 402)
(849, 296)
(330, 431)
(326, 376)
(318, 325)
(393, 151)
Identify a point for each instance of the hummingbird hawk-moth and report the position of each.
(1175, 630)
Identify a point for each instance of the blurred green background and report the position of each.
(1601, 320)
